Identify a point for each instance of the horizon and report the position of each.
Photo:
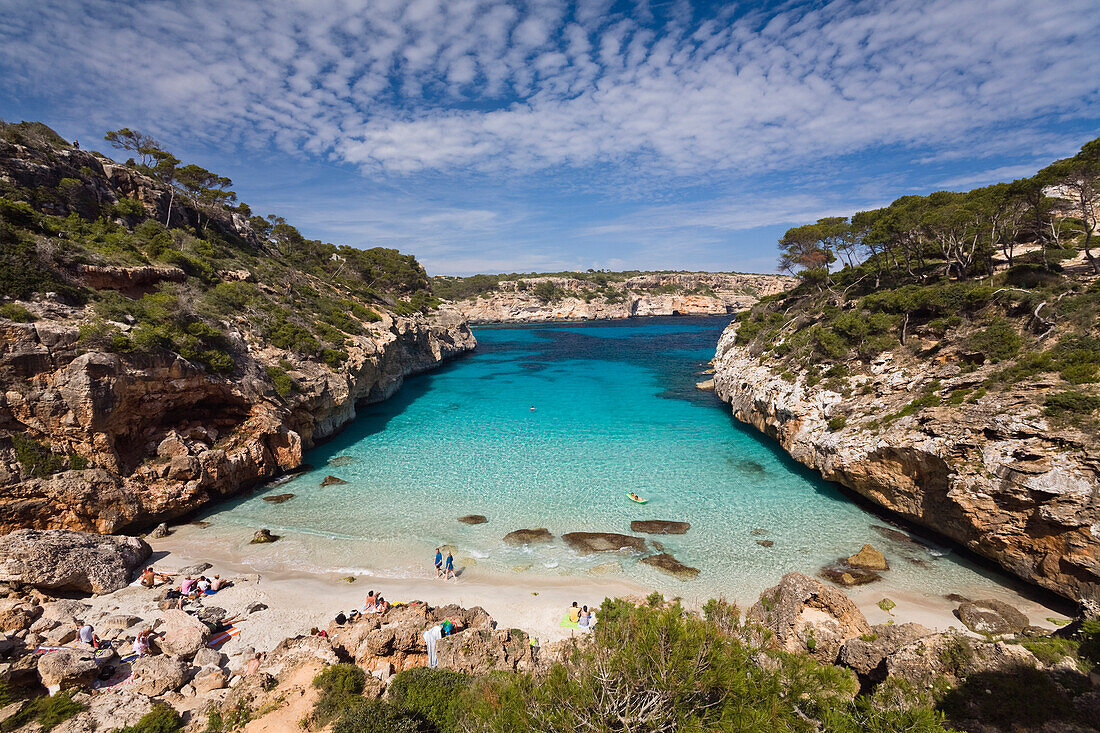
(506, 138)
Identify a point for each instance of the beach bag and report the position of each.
(448, 628)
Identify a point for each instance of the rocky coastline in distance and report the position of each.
(603, 296)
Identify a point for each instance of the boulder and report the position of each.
(807, 616)
(866, 654)
(65, 610)
(60, 560)
(528, 536)
(478, 651)
(765, 543)
(209, 680)
(119, 621)
(332, 481)
(278, 498)
(160, 532)
(659, 526)
(953, 656)
(207, 657)
(65, 668)
(669, 564)
(183, 634)
(465, 618)
(991, 616)
(197, 569)
(868, 558)
(474, 519)
(588, 542)
(263, 536)
(157, 675)
(17, 614)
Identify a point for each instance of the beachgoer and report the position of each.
(87, 635)
(187, 586)
(382, 605)
(584, 618)
(438, 562)
(142, 642)
(532, 408)
(341, 619)
(150, 578)
(574, 613)
(371, 604)
(217, 583)
(203, 585)
(254, 663)
(76, 144)
(450, 568)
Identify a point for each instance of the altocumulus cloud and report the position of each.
(662, 100)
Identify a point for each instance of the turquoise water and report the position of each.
(615, 410)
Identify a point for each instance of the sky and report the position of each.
(543, 135)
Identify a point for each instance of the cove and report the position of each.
(615, 410)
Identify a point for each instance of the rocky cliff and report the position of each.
(994, 473)
(159, 351)
(651, 294)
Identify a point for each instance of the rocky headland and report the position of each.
(134, 391)
(556, 298)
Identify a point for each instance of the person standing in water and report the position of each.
(450, 571)
(438, 562)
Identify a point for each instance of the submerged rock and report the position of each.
(72, 562)
(669, 564)
(474, 519)
(332, 481)
(659, 526)
(765, 543)
(607, 568)
(706, 385)
(278, 498)
(589, 542)
(991, 616)
(868, 558)
(528, 536)
(342, 461)
(263, 536)
(846, 575)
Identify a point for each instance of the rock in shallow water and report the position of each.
(589, 542)
(263, 536)
(278, 498)
(669, 564)
(332, 481)
(528, 536)
(473, 519)
(659, 526)
(868, 558)
(845, 575)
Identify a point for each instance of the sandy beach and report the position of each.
(297, 601)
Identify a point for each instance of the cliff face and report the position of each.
(993, 474)
(655, 294)
(164, 437)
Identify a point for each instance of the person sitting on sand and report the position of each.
(217, 583)
(439, 562)
(382, 605)
(574, 612)
(150, 578)
(87, 635)
(203, 584)
(450, 568)
(585, 619)
(187, 587)
(371, 605)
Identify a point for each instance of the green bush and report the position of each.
(46, 711)
(161, 719)
(284, 385)
(998, 341)
(16, 312)
(378, 715)
(35, 458)
(433, 694)
(1071, 401)
(837, 423)
(341, 679)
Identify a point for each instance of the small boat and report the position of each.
(635, 497)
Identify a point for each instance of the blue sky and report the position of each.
(489, 136)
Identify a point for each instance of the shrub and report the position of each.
(35, 458)
(16, 312)
(434, 694)
(341, 679)
(998, 341)
(547, 292)
(161, 719)
(46, 711)
(284, 385)
(837, 423)
(127, 207)
(378, 715)
(1071, 401)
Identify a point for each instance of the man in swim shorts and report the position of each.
(438, 562)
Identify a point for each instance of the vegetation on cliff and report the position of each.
(67, 216)
(599, 285)
(1004, 275)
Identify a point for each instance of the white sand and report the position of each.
(298, 601)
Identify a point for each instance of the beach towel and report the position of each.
(568, 623)
(123, 677)
(431, 636)
(223, 637)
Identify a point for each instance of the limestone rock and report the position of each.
(588, 542)
(183, 634)
(991, 616)
(868, 558)
(263, 537)
(197, 569)
(66, 561)
(847, 576)
(159, 532)
(207, 657)
(866, 654)
(65, 610)
(67, 668)
(668, 564)
(802, 608)
(16, 614)
(278, 498)
(659, 526)
(954, 656)
(473, 519)
(158, 674)
(210, 680)
(765, 543)
(478, 651)
(528, 536)
(332, 481)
